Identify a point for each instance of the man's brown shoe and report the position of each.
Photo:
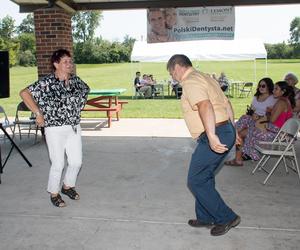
(198, 223)
(221, 229)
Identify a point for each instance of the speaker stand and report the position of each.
(13, 145)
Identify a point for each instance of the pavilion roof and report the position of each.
(81, 5)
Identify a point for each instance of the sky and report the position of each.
(270, 23)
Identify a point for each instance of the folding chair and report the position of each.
(158, 91)
(246, 89)
(137, 93)
(25, 123)
(282, 146)
(227, 92)
(177, 90)
(5, 121)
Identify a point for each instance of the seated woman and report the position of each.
(262, 100)
(265, 129)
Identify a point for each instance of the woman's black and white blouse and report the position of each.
(60, 104)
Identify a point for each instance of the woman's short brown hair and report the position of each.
(57, 55)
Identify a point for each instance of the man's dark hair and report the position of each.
(57, 55)
(138, 72)
(181, 60)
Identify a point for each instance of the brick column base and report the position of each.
(53, 31)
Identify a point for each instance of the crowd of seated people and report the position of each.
(268, 114)
(144, 85)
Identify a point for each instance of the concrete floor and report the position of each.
(134, 196)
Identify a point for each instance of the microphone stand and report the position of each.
(13, 145)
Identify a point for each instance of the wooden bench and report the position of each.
(122, 102)
(106, 100)
(110, 110)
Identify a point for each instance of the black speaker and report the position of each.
(4, 74)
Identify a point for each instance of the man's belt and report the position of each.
(222, 123)
(217, 125)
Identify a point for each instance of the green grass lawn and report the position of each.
(102, 76)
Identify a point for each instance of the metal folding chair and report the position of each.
(158, 91)
(5, 121)
(137, 93)
(281, 147)
(27, 123)
(177, 90)
(246, 89)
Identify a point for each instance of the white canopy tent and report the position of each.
(209, 50)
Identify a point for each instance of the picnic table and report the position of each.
(106, 100)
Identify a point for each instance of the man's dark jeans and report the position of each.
(210, 207)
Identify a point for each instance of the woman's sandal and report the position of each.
(233, 163)
(246, 157)
(57, 201)
(71, 192)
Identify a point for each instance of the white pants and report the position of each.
(60, 141)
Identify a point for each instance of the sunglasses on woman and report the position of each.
(262, 86)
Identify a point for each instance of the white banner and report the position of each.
(184, 24)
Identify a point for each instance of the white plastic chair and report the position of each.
(282, 146)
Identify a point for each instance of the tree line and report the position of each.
(20, 41)
(289, 50)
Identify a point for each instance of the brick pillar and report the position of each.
(53, 31)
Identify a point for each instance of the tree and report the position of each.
(27, 25)
(295, 36)
(13, 48)
(27, 58)
(295, 31)
(7, 40)
(27, 42)
(84, 25)
(128, 45)
(279, 51)
(7, 28)
(128, 41)
(27, 49)
(2, 44)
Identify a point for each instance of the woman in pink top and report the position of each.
(281, 112)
